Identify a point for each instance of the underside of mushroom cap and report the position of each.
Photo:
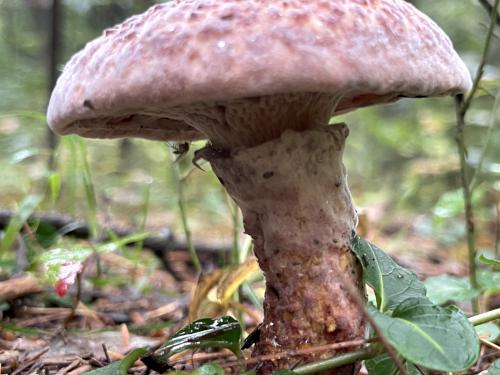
(142, 77)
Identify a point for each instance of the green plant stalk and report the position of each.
(484, 56)
(181, 202)
(145, 213)
(497, 240)
(485, 317)
(338, 361)
(462, 107)
(375, 349)
(469, 213)
(474, 181)
(89, 189)
(236, 257)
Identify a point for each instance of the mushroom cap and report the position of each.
(139, 77)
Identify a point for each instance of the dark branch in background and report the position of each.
(462, 106)
(160, 244)
(489, 8)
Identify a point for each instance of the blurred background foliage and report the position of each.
(402, 160)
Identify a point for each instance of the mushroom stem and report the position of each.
(298, 209)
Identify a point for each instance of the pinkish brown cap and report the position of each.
(140, 77)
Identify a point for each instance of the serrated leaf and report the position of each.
(224, 332)
(488, 331)
(24, 211)
(494, 368)
(384, 365)
(120, 367)
(494, 262)
(431, 336)
(445, 288)
(391, 283)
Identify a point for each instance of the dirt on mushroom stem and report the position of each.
(297, 207)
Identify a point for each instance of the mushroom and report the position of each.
(260, 79)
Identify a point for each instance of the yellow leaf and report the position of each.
(231, 280)
(205, 284)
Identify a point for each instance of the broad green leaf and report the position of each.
(489, 281)
(391, 282)
(120, 367)
(384, 365)
(46, 234)
(24, 211)
(208, 369)
(284, 372)
(431, 336)
(494, 262)
(224, 332)
(451, 204)
(494, 368)
(445, 288)
(488, 331)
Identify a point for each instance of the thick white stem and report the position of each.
(298, 209)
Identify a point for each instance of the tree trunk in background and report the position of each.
(54, 45)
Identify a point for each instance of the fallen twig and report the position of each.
(19, 287)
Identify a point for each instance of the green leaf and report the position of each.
(208, 369)
(26, 208)
(494, 262)
(494, 368)
(284, 372)
(384, 365)
(46, 234)
(54, 186)
(431, 336)
(445, 288)
(120, 367)
(489, 281)
(391, 282)
(451, 204)
(488, 331)
(224, 332)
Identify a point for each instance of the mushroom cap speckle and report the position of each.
(138, 77)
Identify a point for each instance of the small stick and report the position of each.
(106, 355)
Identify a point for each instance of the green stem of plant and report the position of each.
(484, 56)
(375, 349)
(474, 181)
(469, 213)
(181, 202)
(338, 361)
(235, 217)
(485, 317)
(462, 106)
